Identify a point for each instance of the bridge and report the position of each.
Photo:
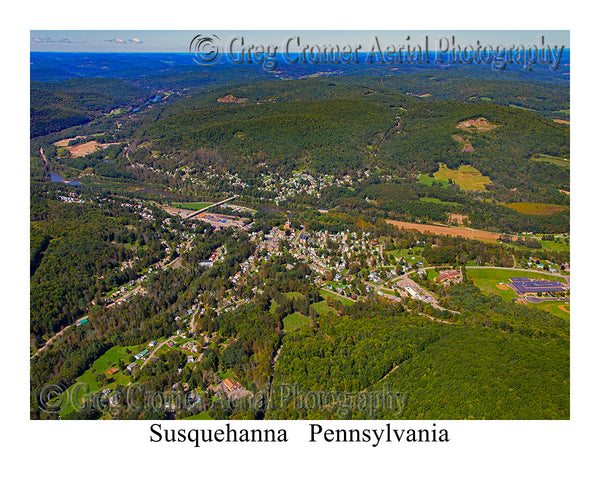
(198, 212)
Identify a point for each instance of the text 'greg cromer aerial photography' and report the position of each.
(287, 225)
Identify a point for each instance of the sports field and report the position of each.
(495, 280)
(193, 205)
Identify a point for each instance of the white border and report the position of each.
(478, 449)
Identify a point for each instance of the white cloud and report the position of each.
(120, 41)
(51, 40)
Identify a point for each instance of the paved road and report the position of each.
(157, 348)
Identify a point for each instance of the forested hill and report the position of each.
(325, 125)
(322, 135)
(548, 99)
(56, 106)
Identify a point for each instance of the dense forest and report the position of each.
(57, 106)
(434, 363)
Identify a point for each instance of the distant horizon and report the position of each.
(178, 41)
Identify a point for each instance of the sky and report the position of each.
(179, 40)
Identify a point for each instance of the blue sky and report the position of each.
(179, 40)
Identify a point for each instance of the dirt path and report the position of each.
(46, 174)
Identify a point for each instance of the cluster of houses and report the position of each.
(144, 212)
(300, 183)
(215, 256)
(71, 198)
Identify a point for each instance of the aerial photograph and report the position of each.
(299, 225)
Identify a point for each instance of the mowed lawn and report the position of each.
(466, 177)
(488, 280)
(560, 309)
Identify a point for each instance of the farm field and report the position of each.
(466, 177)
(536, 208)
(442, 230)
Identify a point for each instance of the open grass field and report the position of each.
(452, 231)
(427, 180)
(560, 161)
(88, 378)
(389, 292)
(192, 205)
(325, 294)
(294, 321)
(522, 108)
(530, 208)
(490, 279)
(436, 200)
(466, 177)
(555, 246)
(410, 255)
(558, 309)
(322, 308)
